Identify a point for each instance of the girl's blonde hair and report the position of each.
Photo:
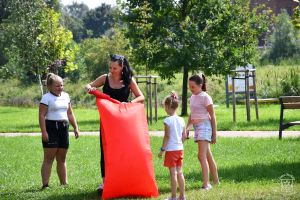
(172, 100)
(51, 78)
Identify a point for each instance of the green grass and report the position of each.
(14, 119)
(248, 168)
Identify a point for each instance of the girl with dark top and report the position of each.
(118, 84)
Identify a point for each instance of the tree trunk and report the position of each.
(184, 91)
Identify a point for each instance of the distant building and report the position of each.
(276, 5)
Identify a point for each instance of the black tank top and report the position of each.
(121, 94)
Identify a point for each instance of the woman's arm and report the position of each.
(42, 113)
(165, 140)
(211, 111)
(73, 121)
(139, 97)
(96, 83)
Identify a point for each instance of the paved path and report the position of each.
(254, 134)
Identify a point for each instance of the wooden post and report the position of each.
(227, 91)
(147, 98)
(156, 100)
(233, 100)
(255, 95)
(150, 98)
(247, 95)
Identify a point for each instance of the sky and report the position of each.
(90, 3)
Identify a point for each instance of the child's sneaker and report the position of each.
(181, 198)
(46, 186)
(208, 187)
(171, 198)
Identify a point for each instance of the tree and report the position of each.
(95, 52)
(73, 20)
(209, 35)
(283, 41)
(99, 20)
(37, 38)
(3, 41)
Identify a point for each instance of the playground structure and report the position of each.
(151, 93)
(239, 82)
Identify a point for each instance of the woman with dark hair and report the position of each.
(117, 84)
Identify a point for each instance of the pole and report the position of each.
(156, 100)
(255, 95)
(247, 94)
(233, 99)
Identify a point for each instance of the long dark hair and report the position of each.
(199, 80)
(127, 72)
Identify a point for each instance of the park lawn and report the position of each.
(20, 119)
(248, 168)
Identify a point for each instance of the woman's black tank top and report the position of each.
(121, 94)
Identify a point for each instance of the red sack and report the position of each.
(126, 143)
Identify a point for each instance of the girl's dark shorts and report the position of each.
(58, 134)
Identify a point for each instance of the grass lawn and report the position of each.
(15, 119)
(249, 169)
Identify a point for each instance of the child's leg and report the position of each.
(181, 182)
(202, 151)
(173, 175)
(212, 166)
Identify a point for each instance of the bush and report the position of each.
(283, 43)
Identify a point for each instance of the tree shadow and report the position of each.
(241, 174)
(88, 195)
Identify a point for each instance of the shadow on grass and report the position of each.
(241, 174)
(89, 195)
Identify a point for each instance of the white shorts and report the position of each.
(203, 131)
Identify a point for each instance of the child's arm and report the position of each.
(165, 140)
(211, 111)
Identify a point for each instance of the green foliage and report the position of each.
(283, 41)
(37, 39)
(291, 84)
(95, 52)
(197, 34)
(212, 36)
(56, 40)
(99, 20)
(296, 17)
(72, 17)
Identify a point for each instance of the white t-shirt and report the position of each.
(57, 106)
(176, 125)
(198, 105)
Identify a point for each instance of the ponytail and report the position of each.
(203, 83)
(172, 100)
(51, 78)
(127, 72)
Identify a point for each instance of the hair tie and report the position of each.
(174, 95)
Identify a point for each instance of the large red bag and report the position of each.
(128, 158)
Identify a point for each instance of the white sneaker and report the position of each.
(170, 198)
(208, 187)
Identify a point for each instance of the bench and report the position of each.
(288, 102)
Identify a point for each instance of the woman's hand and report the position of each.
(45, 137)
(90, 89)
(76, 133)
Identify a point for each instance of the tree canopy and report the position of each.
(212, 36)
